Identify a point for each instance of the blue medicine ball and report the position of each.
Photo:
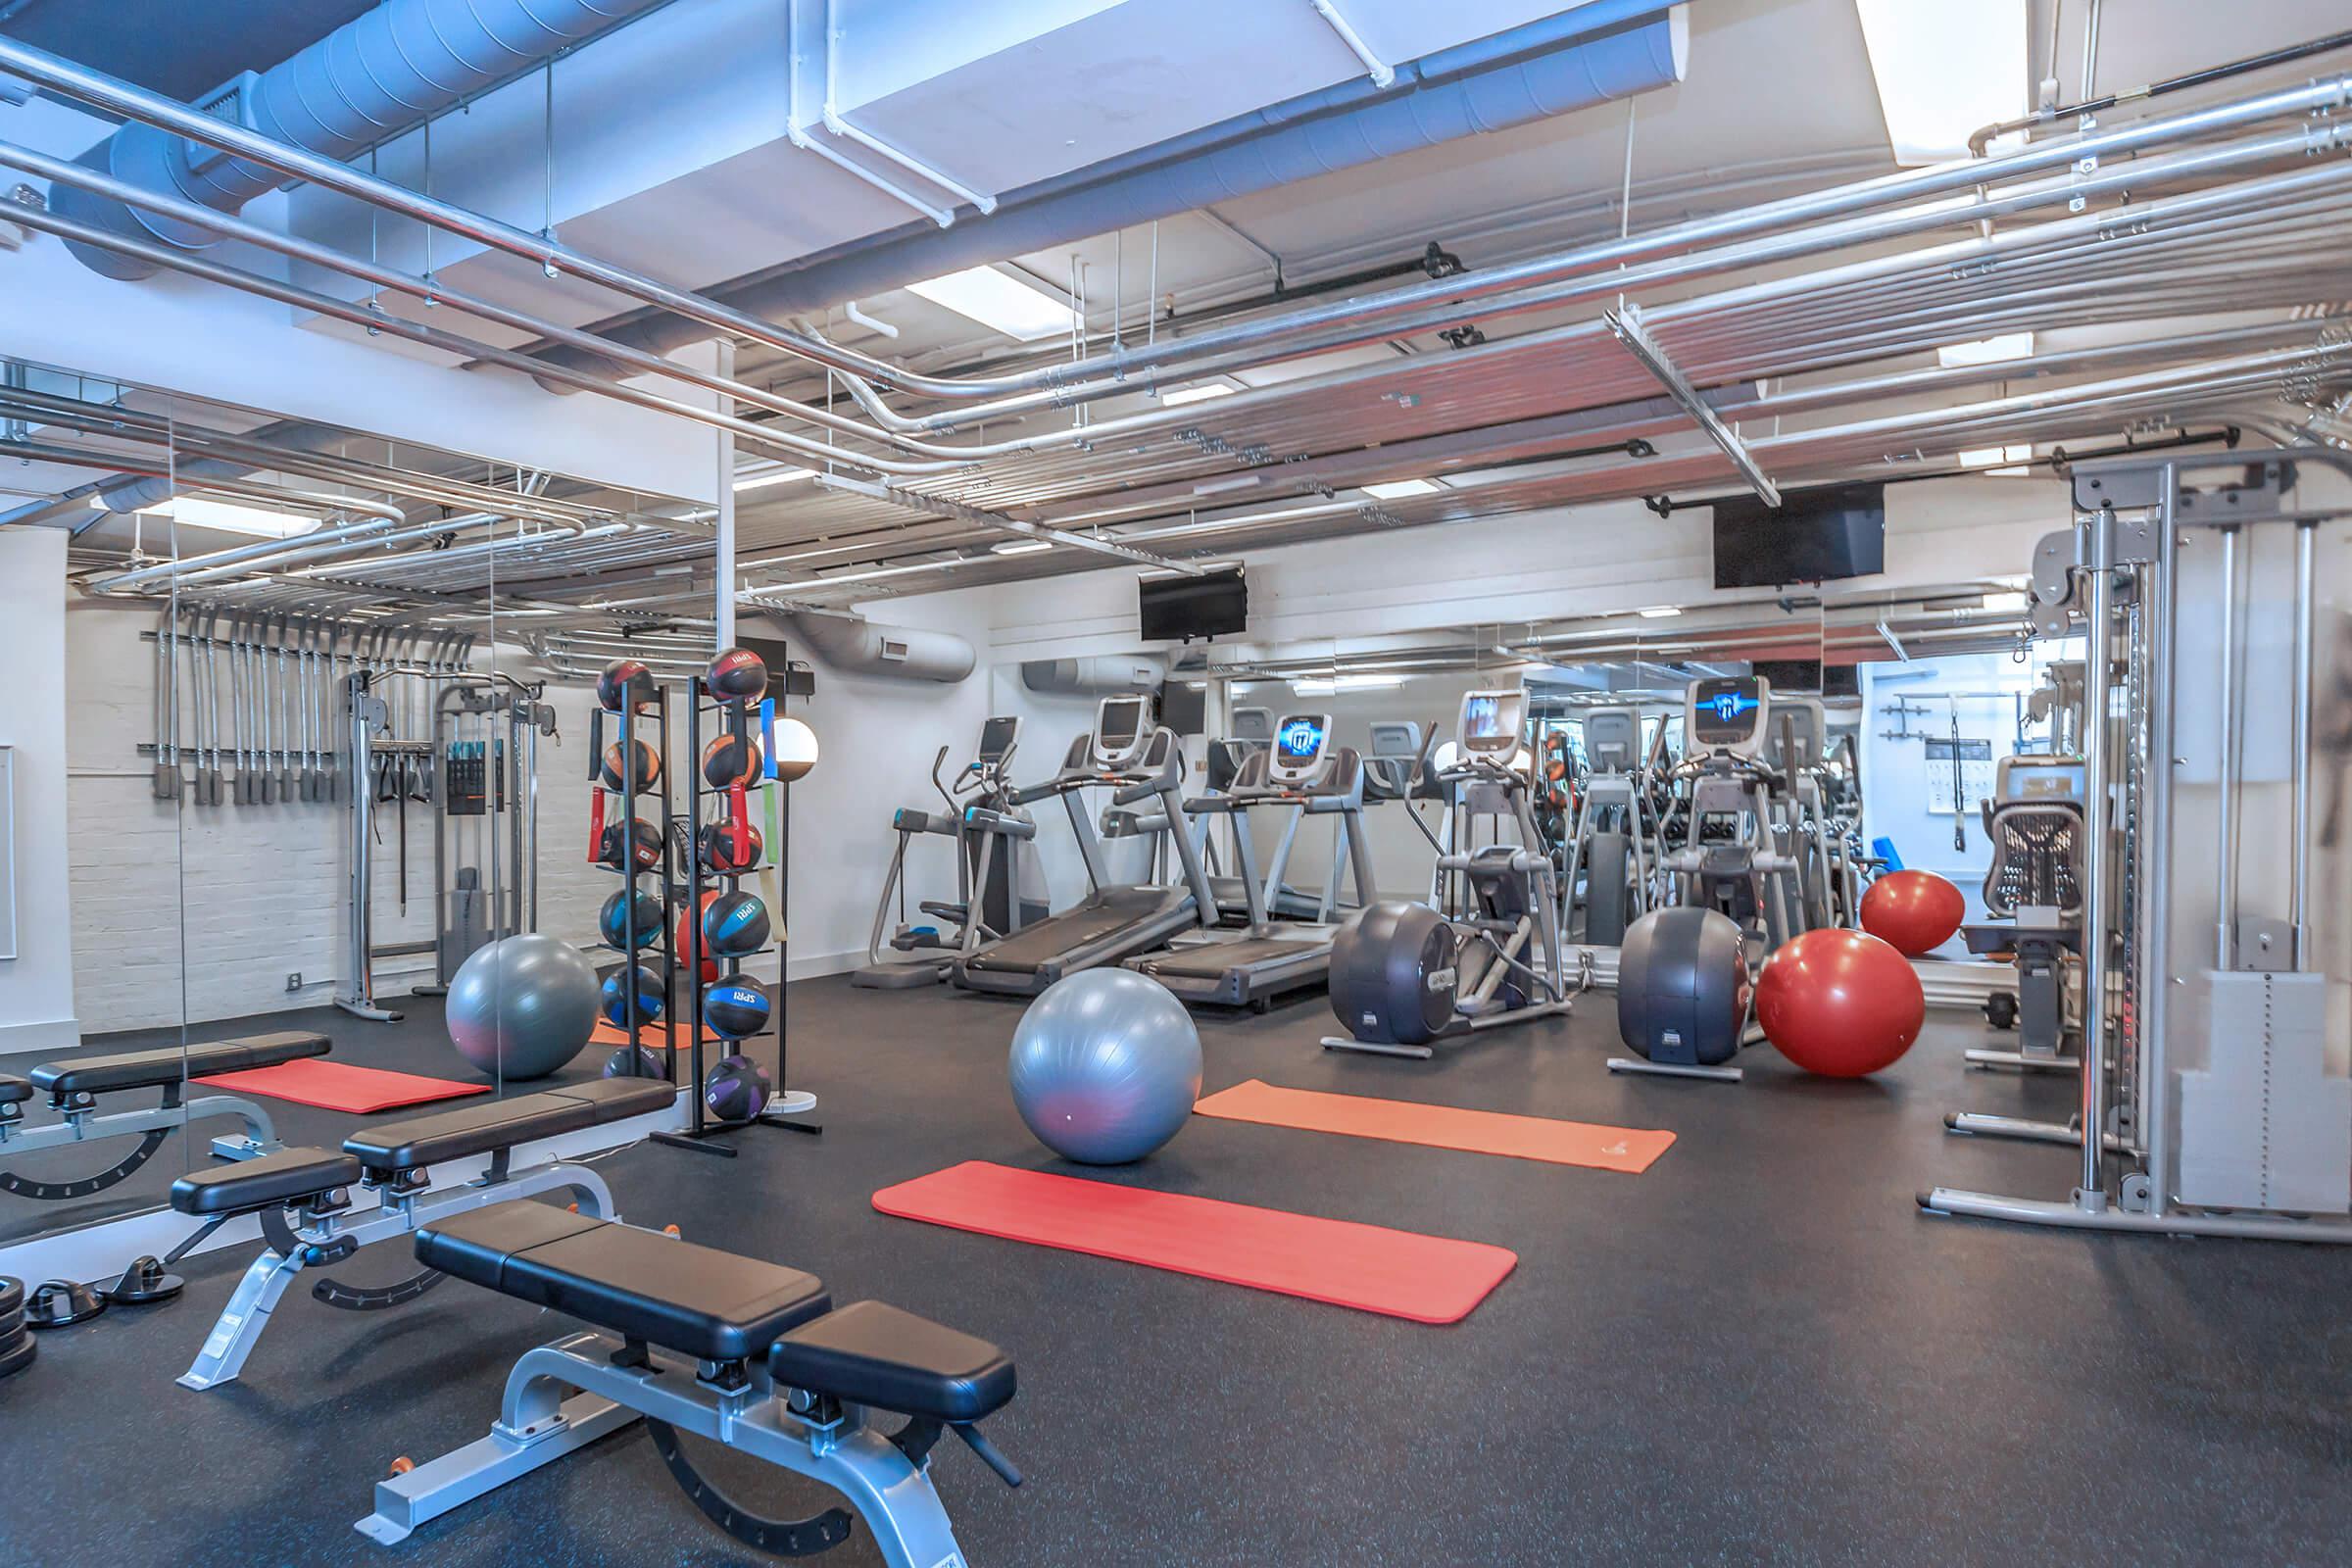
(613, 920)
(636, 1062)
(735, 924)
(616, 996)
(735, 1008)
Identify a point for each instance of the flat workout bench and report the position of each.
(759, 1362)
(74, 1084)
(302, 1197)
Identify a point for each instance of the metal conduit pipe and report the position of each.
(123, 98)
(237, 559)
(463, 347)
(379, 75)
(307, 547)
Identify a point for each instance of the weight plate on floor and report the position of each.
(12, 1296)
(17, 1358)
(11, 1324)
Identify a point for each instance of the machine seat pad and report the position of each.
(14, 1089)
(695, 1300)
(482, 1128)
(168, 1065)
(273, 1180)
(874, 1355)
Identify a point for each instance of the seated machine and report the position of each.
(2033, 890)
(74, 1084)
(737, 1352)
(302, 1197)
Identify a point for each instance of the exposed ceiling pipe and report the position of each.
(1547, 67)
(1095, 674)
(371, 79)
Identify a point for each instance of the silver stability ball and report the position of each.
(522, 1006)
(1105, 1066)
(1683, 987)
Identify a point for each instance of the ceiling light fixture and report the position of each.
(762, 479)
(229, 517)
(1944, 69)
(1986, 350)
(1181, 395)
(1012, 305)
(1658, 612)
(1325, 685)
(1398, 489)
(1995, 457)
(1020, 547)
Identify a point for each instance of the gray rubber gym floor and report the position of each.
(1755, 1352)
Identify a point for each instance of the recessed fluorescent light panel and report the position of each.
(1021, 547)
(998, 301)
(1996, 457)
(1944, 69)
(1181, 395)
(1986, 350)
(761, 480)
(230, 516)
(1658, 612)
(1325, 685)
(1398, 489)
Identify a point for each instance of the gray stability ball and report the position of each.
(522, 1006)
(1105, 1066)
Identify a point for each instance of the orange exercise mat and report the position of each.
(1630, 1150)
(653, 1035)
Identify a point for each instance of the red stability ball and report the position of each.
(1840, 1004)
(1913, 911)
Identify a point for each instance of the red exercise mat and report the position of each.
(1429, 1279)
(339, 1086)
(1632, 1150)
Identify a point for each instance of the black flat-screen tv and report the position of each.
(1178, 609)
(1835, 531)
(1798, 675)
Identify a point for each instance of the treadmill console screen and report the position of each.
(1491, 722)
(1300, 737)
(1122, 725)
(1727, 712)
(997, 736)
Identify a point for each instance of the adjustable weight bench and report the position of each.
(303, 1199)
(743, 1353)
(74, 1084)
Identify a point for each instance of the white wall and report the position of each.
(37, 986)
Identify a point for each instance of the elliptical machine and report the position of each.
(1612, 841)
(982, 812)
(1404, 975)
(1684, 986)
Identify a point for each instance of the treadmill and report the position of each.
(1304, 774)
(1145, 764)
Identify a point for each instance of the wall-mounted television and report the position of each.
(1173, 608)
(1815, 535)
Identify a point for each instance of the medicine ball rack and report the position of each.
(654, 708)
(787, 1106)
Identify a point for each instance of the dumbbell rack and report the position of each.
(627, 868)
(786, 1107)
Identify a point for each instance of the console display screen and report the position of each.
(995, 737)
(1122, 721)
(1489, 717)
(1723, 710)
(1300, 738)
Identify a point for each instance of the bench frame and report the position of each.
(322, 1229)
(565, 1396)
(85, 1123)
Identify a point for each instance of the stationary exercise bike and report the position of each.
(1404, 975)
(988, 826)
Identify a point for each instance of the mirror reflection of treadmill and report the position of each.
(1249, 965)
(1115, 919)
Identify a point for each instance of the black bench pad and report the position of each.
(14, 1089)
(250, 1186)
(170, 1064)
(695, 1300)
(874, 1355)
(480, 1129)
